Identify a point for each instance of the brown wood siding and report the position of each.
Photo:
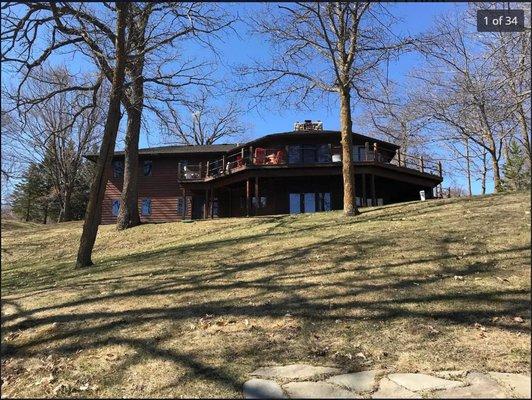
(162, 187)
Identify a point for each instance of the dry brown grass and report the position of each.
(190, 309)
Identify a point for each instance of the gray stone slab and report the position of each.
(519, 384)
(359, 381)
(480, 386)
(451, 374)
(423, 382)
(317, 390)
(294, 372)
(262, 389)
(391, 390)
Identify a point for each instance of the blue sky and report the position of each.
(240, 46)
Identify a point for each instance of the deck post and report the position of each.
(179, 171)
(243, 155)
(398, 157)
(439, 168)
(207, 170)
(205, 204)
(375, 152)
(256, 195)
(366, 152)
(421, 164)
(248, 192)
(200, 169)
(251, 154)
(373, 197)
(223, 164)
(364, 201)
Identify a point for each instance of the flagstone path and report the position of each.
(308, 381)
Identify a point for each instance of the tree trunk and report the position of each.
(94, 206)
(348, 170)
(66, 208)
(28, 207)
(45, 218)
(484, 172)
(524, 133)
(468, 159)
(128, 216)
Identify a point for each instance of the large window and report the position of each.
(146, 207)
(323, 201)
(294, 154)
(147, 167)
(309, 202)
(324, 153)
(309, 154)
(295, 203)
(118, 168)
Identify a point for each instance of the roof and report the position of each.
(317, 133)
(223, 148)
(183, 149)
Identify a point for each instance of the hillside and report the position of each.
(189, 309)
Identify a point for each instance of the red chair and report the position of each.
(260, 156)
(279, 157)
(239, 161)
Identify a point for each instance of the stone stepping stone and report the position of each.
(317, 390)
(517, 383)
(359, 381)
(263, 389)
(294, 372)
(480, 386)
(422, 382)
(391, 390)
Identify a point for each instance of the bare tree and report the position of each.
(396, 117)
(324, 48)
(460, 90)
(49, 137)
(203, 122)
(153, 30)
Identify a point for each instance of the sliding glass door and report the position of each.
(309, 202)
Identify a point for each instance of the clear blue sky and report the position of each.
(239, 47)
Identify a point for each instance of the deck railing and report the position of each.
(259, 156)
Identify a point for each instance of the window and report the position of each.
(295, 203)
(147, 167)
(118, 168)
(324, 202)
(309, 202)
(309, 154)
(181, 206)
(294, 154)
(146, 207)
(116, 207)
(324, 153)
(262, 202)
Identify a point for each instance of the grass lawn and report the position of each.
(191, 309)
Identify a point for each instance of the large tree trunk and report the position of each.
(129, 211)
(484, 171)
(94, 207)
(525, 132)
(348, 170)
(128, 216)
(468, 160)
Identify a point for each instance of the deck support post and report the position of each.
(179, 171)
(223, 164)
(398, 157)
(421, 164)
(206, 204)
(373, 197)
(248, 192)
(256, 195)
(366, 152)
(375, 152)
(439, 168)
(364, 201)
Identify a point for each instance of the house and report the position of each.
(289, 172)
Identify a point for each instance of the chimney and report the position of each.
(308, 126)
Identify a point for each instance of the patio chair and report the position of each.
(260, 156)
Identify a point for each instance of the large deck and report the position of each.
(314, 160)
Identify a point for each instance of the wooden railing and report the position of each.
(279, 156)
